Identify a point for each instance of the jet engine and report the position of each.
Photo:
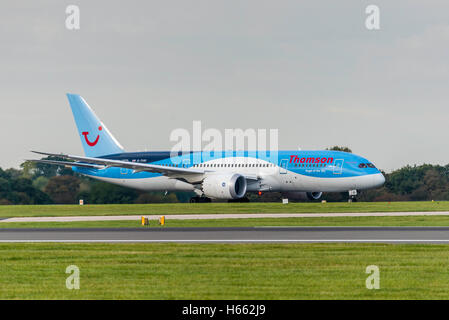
(302, 195)
(224, 186)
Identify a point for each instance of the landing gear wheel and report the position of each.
(200, 200)
(244, 199)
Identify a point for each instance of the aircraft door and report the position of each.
(283, 166)
(186, 163)
(338, 166)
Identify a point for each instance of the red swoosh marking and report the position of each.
(91, 144)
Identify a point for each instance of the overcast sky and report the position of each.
(308, 68)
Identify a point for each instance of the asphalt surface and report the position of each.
(227, 235)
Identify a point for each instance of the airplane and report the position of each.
(227, 175)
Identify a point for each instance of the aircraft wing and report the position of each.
(68, 164)
(99, 163)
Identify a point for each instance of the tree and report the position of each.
(102, 192)
(20, 191)
(5, 186)
(35, 169)
(337, 148)
(40, 182)
(63, 189)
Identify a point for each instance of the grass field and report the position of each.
(223, 271)
(339, 221)
(226, 271)
(202, 208)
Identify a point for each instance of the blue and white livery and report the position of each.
(214, 175)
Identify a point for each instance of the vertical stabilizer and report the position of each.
(95, 137)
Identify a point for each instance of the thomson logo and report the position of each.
(296, 159)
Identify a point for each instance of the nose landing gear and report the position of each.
(352, 196)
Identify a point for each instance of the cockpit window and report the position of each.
(362, 165)
(370, 165)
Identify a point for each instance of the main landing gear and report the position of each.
(207, 200)
(244, 199)
(199, 200)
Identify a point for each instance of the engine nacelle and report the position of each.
(224, 186)
(302, 195)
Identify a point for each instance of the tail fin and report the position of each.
(95, 137)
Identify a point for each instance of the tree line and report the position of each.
(37, 183)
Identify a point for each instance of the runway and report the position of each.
(222, 216)
(232, 235)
